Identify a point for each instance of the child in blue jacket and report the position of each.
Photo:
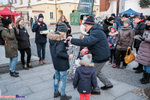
(85, 78)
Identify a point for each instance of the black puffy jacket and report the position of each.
(22, 37)
(59, 54)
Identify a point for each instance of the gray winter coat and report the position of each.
(125, 38)
(143, 56)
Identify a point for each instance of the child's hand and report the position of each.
(70, 56)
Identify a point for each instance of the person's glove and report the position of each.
(142, 38)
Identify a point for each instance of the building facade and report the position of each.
(117, 6)
(51, 9)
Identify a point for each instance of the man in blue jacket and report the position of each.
(98, 46)
(40, 39)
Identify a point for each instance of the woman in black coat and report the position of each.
(107, 24)
(23, 42)
(63, 19)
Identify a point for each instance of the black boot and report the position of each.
(140, 69)
(146, 79)
(65, 97)
(144, 75)
(13, 74)
(29, 65)
(56, 95)
(25, 67)
(96, 91)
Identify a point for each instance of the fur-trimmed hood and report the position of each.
(55, 36)
(86, 61)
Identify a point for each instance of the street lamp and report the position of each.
(10, 9)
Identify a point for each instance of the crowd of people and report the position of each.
(109, 42)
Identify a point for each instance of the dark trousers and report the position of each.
(120, 56)
(140, 67)
(28, 51)
(41, 47)
(112, 54)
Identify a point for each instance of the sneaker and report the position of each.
(57, 95)
(65, 97)
(106, 87)
(13, 74)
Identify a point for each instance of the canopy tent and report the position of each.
(129, 12)
(6, 12)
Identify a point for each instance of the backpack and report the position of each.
(2, 42)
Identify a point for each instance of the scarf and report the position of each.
(41, 23)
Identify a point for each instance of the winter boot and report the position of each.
(13, 74)
(146, 79)
(57, 95)
(25, 67)
(144, 74)
(65, 97)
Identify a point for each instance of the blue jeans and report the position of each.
(146, 68)
(12, 63)
(41, 47)
(60, 76)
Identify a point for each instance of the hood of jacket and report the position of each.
(54, 37)
(3, 28)
(85, 70)
(126, 28)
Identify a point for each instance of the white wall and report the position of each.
(34, 2)
(134, 4)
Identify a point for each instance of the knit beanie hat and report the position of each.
(40, 16)
(90, 20)
(86, 60)
(148, 18)
(6, 22)
(110, 18)
(125, 15)
(127, 21)
(113, 14)
(62, 27)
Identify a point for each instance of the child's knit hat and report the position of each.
(86, 60)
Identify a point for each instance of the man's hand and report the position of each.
(10, 26)
(114, 45)
(38, 23)
(129, 47)
(70, 56)
(69, 38)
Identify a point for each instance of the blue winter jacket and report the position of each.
(39, 38)
(97, 44)
(85, 79)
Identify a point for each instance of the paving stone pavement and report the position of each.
(37, 84)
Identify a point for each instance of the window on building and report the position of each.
(21, 2)
(51, 15)
(38, 0)
(15, 1)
